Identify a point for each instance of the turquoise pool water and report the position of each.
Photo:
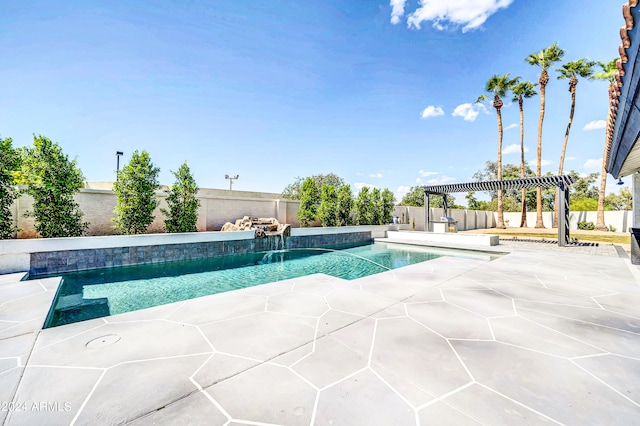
(102, 292)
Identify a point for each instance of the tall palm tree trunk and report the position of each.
(497, 104)
(600, 225)
(573, 82)
(544, 79)
(523, 219)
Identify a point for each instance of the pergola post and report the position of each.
(426, 212)
(563, 216)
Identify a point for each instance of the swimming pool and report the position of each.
(101, 292)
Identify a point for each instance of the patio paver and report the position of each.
(535, 336)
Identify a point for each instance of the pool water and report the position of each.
(101, 292)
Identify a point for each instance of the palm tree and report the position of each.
(522, 90)
(608, 73)
(543, 59)
(499, 85)
(571, 70)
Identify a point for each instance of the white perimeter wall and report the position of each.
(622, 220)
(217, 207)
(467, 219)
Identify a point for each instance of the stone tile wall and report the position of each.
(78, 260)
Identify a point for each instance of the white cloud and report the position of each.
(432, 111)
(422, 173)
(511, 126)
(441, 180)
(593, 163)
(360, 185)
(375, 175)
(469, 111)
(595, 125)
(397, 10)
(571, 158)
(470, 14)
(513, 148)
(534, 162)
(418, 180)
(401, 192)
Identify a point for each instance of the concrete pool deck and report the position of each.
(536, 336)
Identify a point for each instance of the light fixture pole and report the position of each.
(118, 155)
(231, 179)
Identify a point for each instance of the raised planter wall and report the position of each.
(57, 255)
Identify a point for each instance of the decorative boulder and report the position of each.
(227, 227)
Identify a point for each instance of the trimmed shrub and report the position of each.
(182, 214)
(586, 226)
(52, 180)
(136, 194)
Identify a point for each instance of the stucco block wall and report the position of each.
(621, 220)
(467, 219)
(216, 208)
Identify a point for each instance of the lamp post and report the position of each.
(231, 179)
(118, 155)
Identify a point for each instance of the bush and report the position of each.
(182, 214)
(135, 191)
(328, 209)
(309, 201)
(586, 226)
(612, 228)
(9, 163)
(52, 180)
(376, 207)
(364, 207)
(387, 206)
(345, 205)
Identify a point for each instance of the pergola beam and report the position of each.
(494, 185)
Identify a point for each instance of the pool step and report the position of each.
(73, 308)
(74, 301)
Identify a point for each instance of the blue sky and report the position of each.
(278, 89)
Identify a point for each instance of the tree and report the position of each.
(583, 185)
(523, 90)
(623, 200)
(345, 205)
(52, 180)
(413, 198)
(499, 85)
(309, 201)
(328, 209)
(136, 194)
(509, 171)
(182, 214)
(474, 204)
(364, 207)
(543, 59)
(608, 73)
(583, 204)
(571, 70)
(376, 207)
(293, 191)
(9, 164)
(388, 200)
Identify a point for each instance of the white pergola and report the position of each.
(562, 182)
